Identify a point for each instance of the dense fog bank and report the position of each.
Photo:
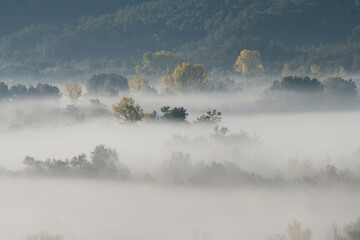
(98, 210)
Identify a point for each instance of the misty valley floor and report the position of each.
(92, 209)
(104, 210)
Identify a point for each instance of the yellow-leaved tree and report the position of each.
(127, 111)
(141, 85)
(249, 63)
(315, 69)
(187, 77)
(72, 91)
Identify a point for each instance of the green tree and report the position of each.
(338, 87)
(106, 83)
(211, 116)
(160, 62)
(4, 90)
(178, 114)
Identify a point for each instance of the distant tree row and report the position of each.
(127, 111)
(21, 91)
(104, 163)
(293, 92)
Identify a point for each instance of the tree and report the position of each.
(315, 69)
(297, 84)
(295, 232)
(127, 111)
(342, 71)
(72, 91)
(173, 114)
(167, 83)
(18, 90)
(106, 83)
(249, 63)
(43, 90)
(141, 84)
(338, 87)
(211, 116)
(4, 90)
(352, 230)
(286, 70)
(160, 62)
(187, 77)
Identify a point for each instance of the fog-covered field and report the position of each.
(184, 180)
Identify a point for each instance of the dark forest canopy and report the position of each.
(97, 35)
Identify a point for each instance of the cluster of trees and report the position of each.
(127, 111)
(180, 170)
(104, 163)
(294, 93)
(157, 63)
(211, 32)
(103, 83)
(21, 91)
(295, 231)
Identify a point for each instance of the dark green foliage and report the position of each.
(211, 116)
(106, 83)
(302, 93)
(297, 84)
(18, 90)
(44, 90)
(177, 114)
(338, 87)
(21, 91)
(4, 90)
(116, 34)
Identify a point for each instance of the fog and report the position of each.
(188, 180)
(93, 210)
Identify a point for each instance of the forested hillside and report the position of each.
(64, 38)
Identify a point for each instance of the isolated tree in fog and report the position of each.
(187, 77)
(295, 231)
(249, 63)
(173, 114)
(141, 84)
(72, 91)
(127, 111)
(211, 116)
